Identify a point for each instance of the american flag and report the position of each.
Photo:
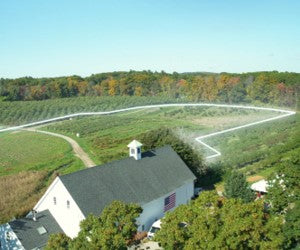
(170, 202)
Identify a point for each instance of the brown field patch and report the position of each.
(255, 178)
(19, 193)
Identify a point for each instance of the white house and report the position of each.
(158, 180)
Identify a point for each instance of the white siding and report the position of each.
(13, 243)
(154, 210)
(67, 218)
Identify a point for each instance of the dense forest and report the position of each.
(278, 88)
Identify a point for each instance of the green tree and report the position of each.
(284, 184)
(236, 186)
(161, 137)
(58, 241)
(247, 226)
(213, 222)
(173, 235)
(291, 227)
(113, 229)
(118, 224)
(200, 217)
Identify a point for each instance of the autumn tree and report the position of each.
(268, 87)
(210, 90)
(112, 87)
(82, 88)
(138, 91)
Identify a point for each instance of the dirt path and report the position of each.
(78, 151)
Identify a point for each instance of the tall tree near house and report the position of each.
(113, 229)
(118, 224)
(212, 222)
(161, 137)
(58, 241)
(236, 186)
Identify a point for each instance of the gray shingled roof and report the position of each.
(140, 181)
(27, 233)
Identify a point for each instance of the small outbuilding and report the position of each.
(260, 187)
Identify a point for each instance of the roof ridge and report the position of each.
(114, 161)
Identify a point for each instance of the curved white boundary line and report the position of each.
(198, 139)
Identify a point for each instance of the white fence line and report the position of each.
(198, 139)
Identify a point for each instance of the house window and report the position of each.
(139, 150)
(68, 204)
(54, 200)
(132, 151)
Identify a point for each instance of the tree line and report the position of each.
(279, 88)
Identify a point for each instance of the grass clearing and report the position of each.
(25, 151)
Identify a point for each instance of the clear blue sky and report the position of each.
(65, 37)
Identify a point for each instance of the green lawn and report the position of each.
(24, 151)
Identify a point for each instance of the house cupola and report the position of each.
(135, 149)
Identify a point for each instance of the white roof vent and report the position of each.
(135, 149)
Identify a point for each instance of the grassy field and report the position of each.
(27, 151)
(105, 137)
